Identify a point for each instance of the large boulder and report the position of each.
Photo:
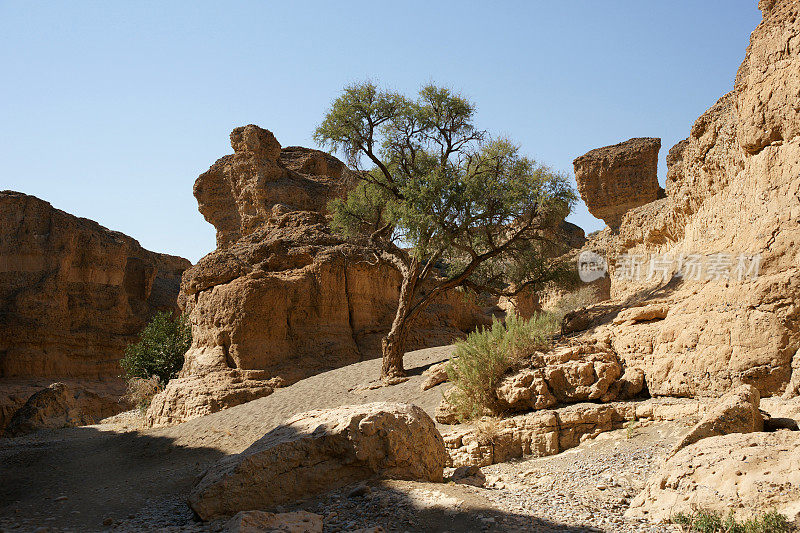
(282, 294)
(322, 450)
(260, 521)
(732, 208)
(65, 405)
(614, 179)
(736, 412)
(745, 473)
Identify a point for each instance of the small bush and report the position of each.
(484, 356)
(487, 430)
(140, 391)
(714, 522)
(160, 349)
(585, 295)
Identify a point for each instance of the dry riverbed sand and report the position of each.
(118, 477)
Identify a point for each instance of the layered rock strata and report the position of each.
(73, 294)
(551, 431)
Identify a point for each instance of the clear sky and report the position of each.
(110, 110)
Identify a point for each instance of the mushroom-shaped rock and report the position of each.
(614, 179)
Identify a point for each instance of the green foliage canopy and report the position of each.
(439, 191)
(442, 201)
(160, 348)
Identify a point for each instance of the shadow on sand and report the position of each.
(76, 478)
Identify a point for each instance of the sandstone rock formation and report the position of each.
(551, 431)
(567, 375)
(197, 395)
(614, 179)
(322, 450)
(73, 294)
(65, 405)
(242, 191)
(281, 293)
(736, 412)
(572, 373)
(743, 472)
(260, 521)
(733, 193)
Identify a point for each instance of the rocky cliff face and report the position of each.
(283, 298)
(733, 189)
(73, 294)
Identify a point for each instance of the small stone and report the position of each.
(107, 521)
(359, 491)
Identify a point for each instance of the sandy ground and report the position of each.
(109, 477)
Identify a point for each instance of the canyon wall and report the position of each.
(732, 206)
(73, 294)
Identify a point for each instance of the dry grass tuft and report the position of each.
(140, 391)
(487, 429)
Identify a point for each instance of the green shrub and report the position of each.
(577, 299)
(714, 522)
(484, 356)
(160, 349)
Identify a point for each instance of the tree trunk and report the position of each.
(393, 346)
(394, 343)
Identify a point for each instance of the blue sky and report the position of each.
(110, 110)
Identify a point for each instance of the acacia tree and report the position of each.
(440, 200)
